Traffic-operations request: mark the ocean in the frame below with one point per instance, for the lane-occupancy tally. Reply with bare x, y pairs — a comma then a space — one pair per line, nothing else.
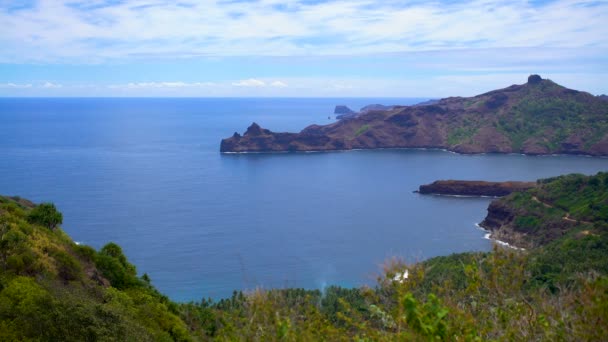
147, 174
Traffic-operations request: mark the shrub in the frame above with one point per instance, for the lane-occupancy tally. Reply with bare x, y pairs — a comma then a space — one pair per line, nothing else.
114, 266
67, 266
46, 215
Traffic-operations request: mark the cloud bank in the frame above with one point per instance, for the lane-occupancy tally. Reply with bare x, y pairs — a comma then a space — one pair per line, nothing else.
297, 47
94, 31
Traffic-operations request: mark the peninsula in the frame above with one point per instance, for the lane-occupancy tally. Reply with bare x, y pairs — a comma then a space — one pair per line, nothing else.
474, 188
538, 117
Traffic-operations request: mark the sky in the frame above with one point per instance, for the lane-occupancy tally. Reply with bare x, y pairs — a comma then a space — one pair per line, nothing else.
298, 48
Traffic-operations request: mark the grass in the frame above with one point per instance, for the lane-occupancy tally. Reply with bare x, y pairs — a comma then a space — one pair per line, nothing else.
361, 130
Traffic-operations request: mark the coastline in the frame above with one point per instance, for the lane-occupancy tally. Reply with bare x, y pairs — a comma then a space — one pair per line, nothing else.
488, 236
421, 149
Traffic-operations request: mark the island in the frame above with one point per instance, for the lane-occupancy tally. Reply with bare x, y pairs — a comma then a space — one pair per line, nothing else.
474, 188
343, 112
535, 118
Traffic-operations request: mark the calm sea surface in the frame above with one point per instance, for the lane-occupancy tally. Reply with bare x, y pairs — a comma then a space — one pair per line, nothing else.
147, 174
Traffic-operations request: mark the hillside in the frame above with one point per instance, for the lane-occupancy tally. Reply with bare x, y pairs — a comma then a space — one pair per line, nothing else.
538, 117
53, 289
563, 221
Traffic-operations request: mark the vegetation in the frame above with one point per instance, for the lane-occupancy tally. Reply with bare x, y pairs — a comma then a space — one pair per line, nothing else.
460, 134
46, 215
553, 119
361, 130
566, 219
53, 289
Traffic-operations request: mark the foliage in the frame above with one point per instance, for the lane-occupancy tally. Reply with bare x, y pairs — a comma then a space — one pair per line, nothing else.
46, 215
552, 113
52, 290
460, 134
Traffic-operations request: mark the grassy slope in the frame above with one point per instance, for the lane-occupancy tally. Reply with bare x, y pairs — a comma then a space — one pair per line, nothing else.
53, 289
546, 111
567, 217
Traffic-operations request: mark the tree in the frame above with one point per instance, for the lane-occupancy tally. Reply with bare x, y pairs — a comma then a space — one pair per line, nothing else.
45, 214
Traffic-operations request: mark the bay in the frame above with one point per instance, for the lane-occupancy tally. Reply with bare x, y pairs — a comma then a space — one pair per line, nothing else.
147, 174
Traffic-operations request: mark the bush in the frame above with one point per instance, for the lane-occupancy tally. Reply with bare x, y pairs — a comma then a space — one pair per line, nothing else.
114, 266
46, 215
67, 266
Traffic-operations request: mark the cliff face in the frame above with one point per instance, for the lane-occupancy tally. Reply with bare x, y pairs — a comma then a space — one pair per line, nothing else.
539, 117
554, 208
474, 188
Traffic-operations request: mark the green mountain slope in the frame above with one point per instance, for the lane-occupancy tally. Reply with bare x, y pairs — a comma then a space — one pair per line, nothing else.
52, 289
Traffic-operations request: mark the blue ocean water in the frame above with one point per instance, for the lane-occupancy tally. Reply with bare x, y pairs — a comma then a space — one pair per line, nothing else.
147, 174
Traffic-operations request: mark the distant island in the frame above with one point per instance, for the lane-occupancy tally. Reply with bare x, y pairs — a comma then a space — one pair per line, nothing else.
538, 117
474, 188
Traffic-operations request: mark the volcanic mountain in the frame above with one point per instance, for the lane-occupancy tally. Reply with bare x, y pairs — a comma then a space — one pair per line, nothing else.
538, 117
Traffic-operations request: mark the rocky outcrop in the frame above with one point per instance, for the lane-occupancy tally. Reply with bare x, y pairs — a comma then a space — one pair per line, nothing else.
534, 79
499, 222
343, 112
507, 222
539, 117
474, 188
499, 215
341, 109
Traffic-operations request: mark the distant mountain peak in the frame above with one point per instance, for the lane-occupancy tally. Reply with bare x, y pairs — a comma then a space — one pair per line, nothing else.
534, 79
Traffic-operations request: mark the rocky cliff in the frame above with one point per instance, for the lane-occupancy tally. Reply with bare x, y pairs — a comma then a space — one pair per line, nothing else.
572, 204
538, 117
474, 188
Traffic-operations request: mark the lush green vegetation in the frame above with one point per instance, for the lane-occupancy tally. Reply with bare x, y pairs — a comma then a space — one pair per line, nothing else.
460, 134
45, 215
552, 119
52, 289
566, 217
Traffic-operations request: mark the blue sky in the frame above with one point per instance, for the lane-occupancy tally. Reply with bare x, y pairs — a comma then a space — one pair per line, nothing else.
298, 47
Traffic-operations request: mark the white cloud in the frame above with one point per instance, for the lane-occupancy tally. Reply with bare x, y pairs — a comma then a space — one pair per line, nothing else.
15, 85
50, 85
59, 31
158, 85
252, 82
278, 84
427, 86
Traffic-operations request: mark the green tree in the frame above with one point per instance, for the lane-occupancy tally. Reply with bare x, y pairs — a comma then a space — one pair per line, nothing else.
45, 214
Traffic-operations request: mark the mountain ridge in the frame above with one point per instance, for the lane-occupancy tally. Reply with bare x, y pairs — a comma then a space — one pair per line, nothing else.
536, 118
